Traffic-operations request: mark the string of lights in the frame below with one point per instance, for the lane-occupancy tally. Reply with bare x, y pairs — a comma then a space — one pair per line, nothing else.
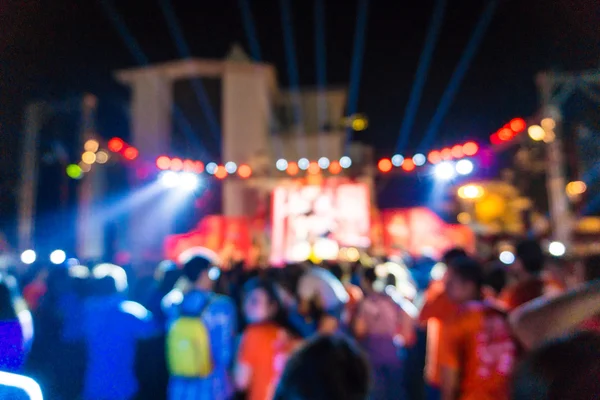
446, 156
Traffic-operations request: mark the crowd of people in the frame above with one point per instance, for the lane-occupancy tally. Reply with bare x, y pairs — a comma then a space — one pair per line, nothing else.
329, 331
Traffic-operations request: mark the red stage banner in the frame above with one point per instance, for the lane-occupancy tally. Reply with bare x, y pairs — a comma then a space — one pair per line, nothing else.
229, 237
420, 231
307, 218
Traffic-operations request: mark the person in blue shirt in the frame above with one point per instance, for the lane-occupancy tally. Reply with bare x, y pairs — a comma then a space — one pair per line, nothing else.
219, 316
111, 328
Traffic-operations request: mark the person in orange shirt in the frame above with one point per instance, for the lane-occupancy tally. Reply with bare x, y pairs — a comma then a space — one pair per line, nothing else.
477, 350
437, 309
266, 343
527, 283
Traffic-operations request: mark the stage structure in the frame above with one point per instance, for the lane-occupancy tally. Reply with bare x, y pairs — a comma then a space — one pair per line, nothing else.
259, 124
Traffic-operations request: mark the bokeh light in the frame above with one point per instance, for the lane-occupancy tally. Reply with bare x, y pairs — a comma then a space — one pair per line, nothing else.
506, 257
231, 167
576, 188
303, 164
470, 192
419, 159
464, 167
408, 165
324, 162
335, 167
444, 171
397, 160
281, 164
457, 151
470, 148
244, 171
345, 162
464, 218
163, 163
313, 168
434, 157
176, 164
88, 157
384, 165
58, 257
115, 145
536, 133
518, 125
28, 257
557, 249
102, 157
91, 145
131, 153
548, 124
74, 171
84, 167
446, 154
292, 169
221, 172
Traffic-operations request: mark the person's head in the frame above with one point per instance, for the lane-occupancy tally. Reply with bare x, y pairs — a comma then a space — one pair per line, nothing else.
196, 271
586, 270
7, 308
567, 369
495, 280
452, 254
529, 260
328, 367
368, 278
261, 301
110, 279
464, 280
337, 271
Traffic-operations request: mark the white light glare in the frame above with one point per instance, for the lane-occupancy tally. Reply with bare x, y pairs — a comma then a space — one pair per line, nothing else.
506, 257
419, 159
345, 162
444, 171
58, 257
28, 257
557, 249
211, 168
323, 162
281, 164
169, 179
303, 163
397, 160
231, 167
189, 181
464, 167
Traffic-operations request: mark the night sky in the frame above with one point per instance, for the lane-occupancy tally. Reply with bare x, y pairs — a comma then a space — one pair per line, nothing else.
49, 49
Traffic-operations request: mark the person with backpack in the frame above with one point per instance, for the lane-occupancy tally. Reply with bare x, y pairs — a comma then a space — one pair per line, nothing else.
266, 343
201, 336
382, 327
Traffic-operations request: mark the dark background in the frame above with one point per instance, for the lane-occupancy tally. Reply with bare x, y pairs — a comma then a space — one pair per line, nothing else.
54, 49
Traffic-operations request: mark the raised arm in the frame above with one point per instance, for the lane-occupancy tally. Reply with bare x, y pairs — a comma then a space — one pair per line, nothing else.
544, 319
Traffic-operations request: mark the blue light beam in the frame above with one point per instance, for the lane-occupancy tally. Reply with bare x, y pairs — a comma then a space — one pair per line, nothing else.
459, 74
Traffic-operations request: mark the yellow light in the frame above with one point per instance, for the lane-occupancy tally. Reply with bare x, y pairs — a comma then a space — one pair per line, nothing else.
549, 137
359, 124
91, 145
576, 187
464, 218
352, 254
101, 157
84, 167
548, 124
470, 192
536, 133
88, 157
